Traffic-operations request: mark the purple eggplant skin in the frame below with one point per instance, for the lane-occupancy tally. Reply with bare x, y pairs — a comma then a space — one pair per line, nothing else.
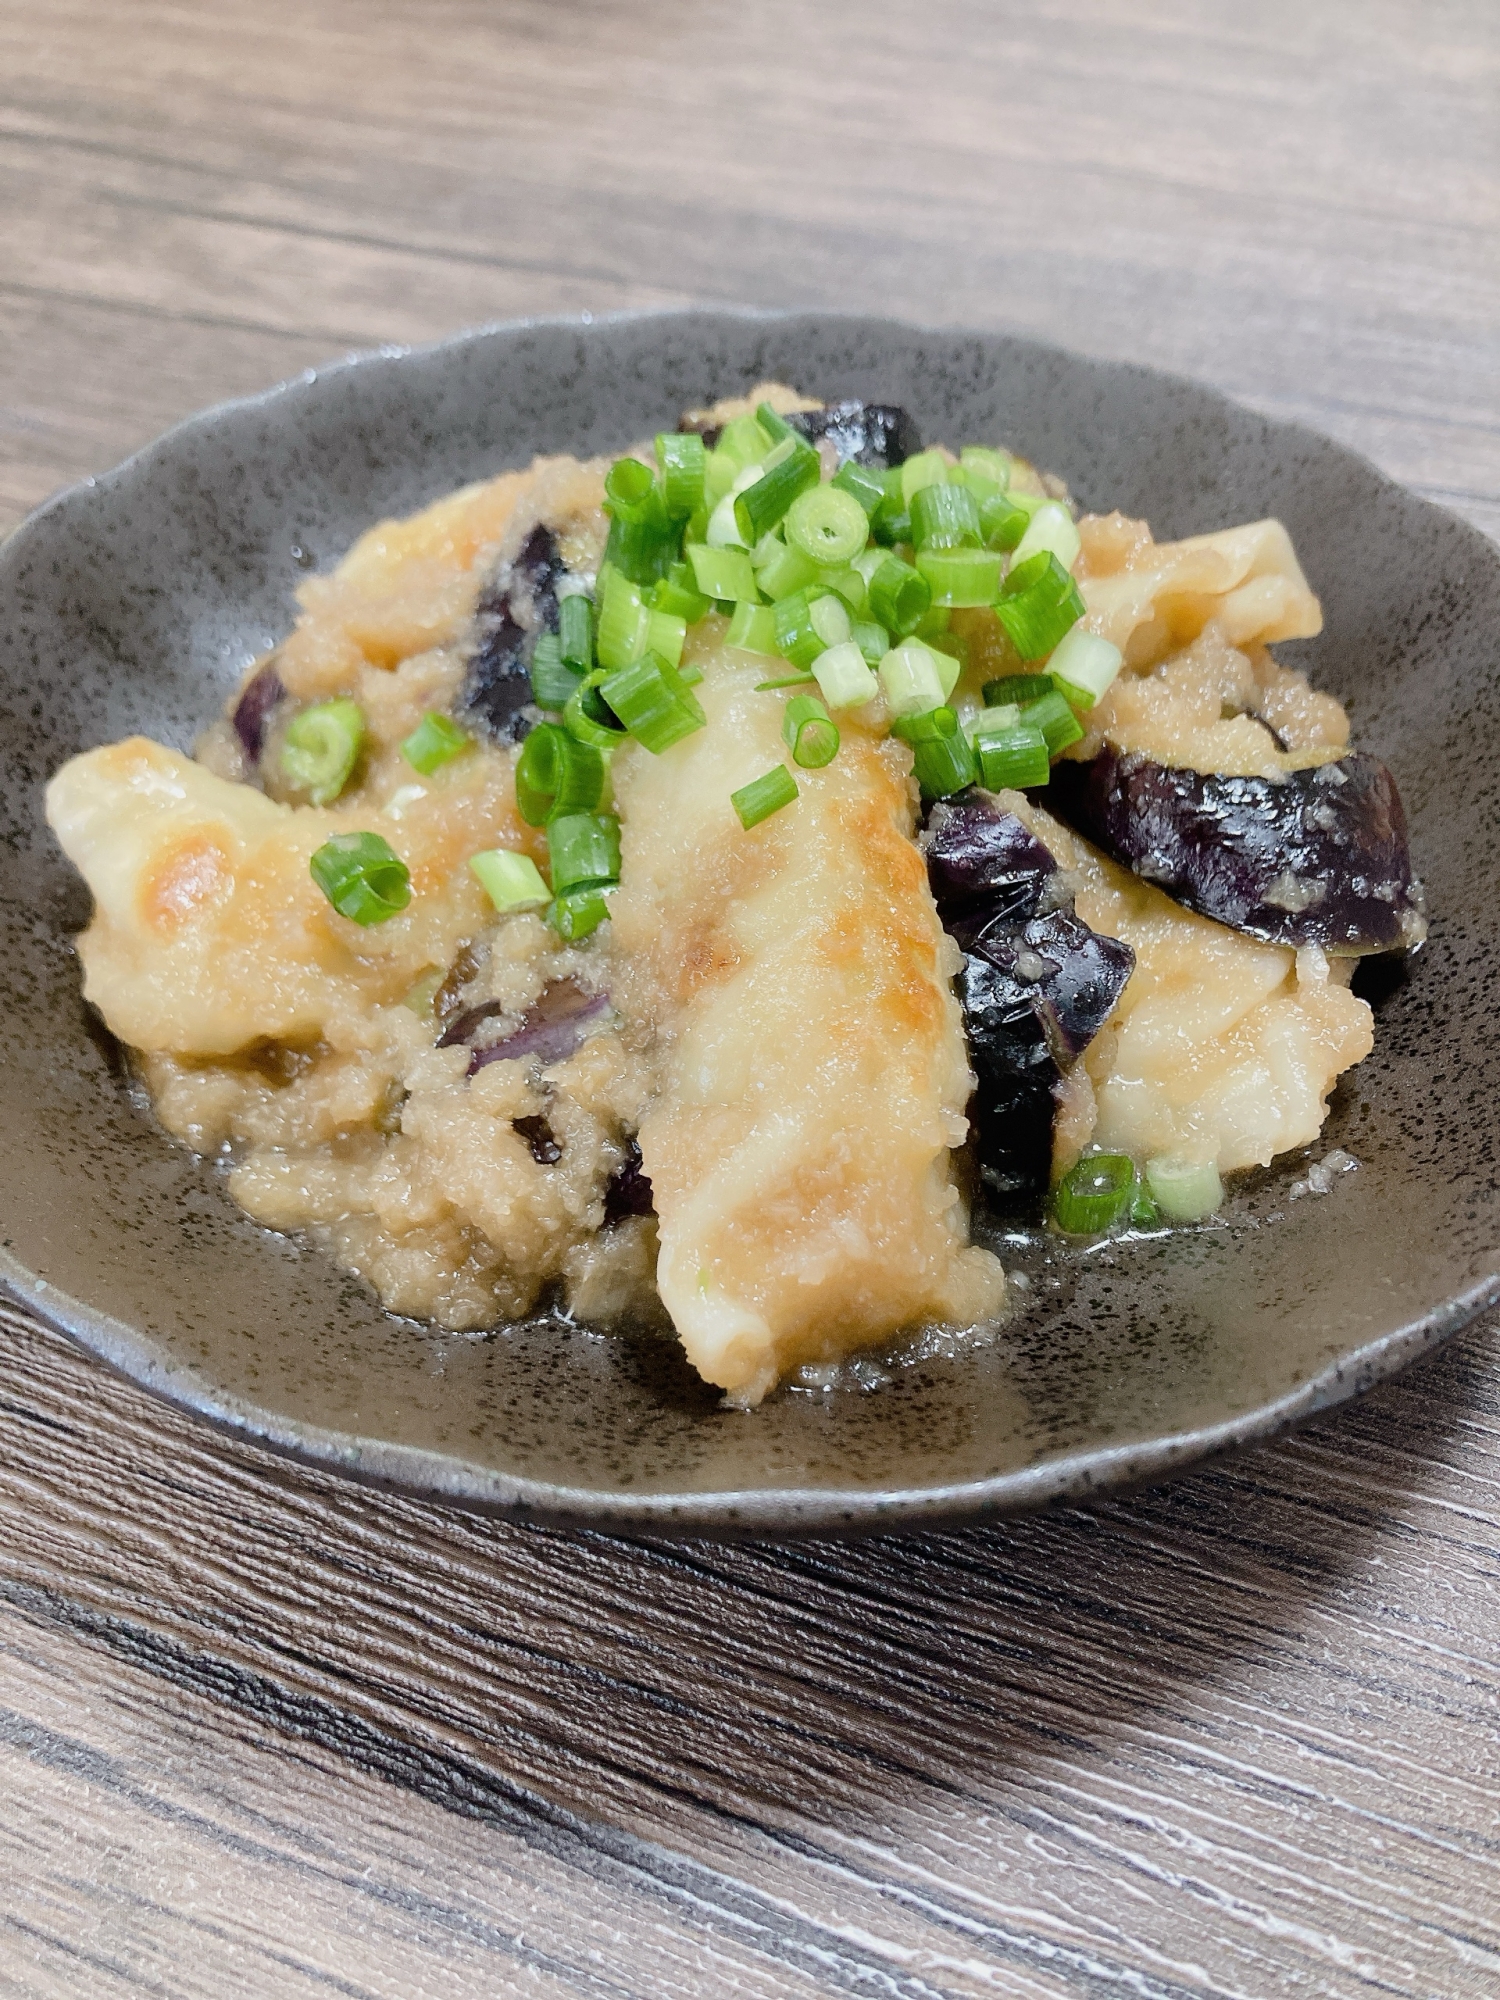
628, 1191
261, 695
1037, 983
550, 1031
519, 604
877, 435
1320, 858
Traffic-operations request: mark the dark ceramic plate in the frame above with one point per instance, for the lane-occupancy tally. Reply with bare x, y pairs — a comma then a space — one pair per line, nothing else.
135, 601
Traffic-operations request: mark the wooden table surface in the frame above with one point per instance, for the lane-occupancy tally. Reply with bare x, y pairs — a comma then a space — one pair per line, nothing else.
262, 1733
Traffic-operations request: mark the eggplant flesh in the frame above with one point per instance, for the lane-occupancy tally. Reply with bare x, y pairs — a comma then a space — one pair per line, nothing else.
517, 606
877, 435
1037, 983
1317, 858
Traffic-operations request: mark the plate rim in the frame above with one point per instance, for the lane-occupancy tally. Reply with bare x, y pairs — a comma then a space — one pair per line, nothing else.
430, 1473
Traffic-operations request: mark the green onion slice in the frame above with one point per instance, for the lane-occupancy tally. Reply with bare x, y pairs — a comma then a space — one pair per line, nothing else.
1002, 521
959, 576
1012, 759
783, 571
552, 679
723, 574
683, 461
666, 636
1185, 1190
628, 487
786, 681
321, 748
1084, 666
1017, 688
810, 732
844, 675
872, 640
942, 755
867, 487
910, 679
828, 525
1039, 603
584, 850
654, 702
1094, 1193
578, 914
899, 596
1051, 527
584, 715
557, 773
511, 881
764, 796
436, 741
1053, 716
624, 621
992, 466
575, 632
925, 468
762, 505
944, 517
362, 876
752, 628
678, 593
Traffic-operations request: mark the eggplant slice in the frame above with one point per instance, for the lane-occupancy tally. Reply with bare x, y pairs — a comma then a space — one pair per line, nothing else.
518, 605
1317, 858
877, 435
1036, 987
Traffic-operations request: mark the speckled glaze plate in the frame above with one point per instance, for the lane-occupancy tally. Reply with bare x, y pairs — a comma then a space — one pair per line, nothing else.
135, 601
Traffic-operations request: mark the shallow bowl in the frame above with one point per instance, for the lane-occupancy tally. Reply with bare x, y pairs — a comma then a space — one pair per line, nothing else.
135, 601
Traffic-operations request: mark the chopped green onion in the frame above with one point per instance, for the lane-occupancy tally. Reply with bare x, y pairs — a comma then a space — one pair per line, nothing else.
942, 755
1002, 522
420, 995
1051, 527
1039, 602
1012, 759
944, 517
1084, 667
583, 719
762, 505
775, 425
828, 525
665, 636
362, 876
628, 486
747, 441
579, 913
1013, 689
909, 678
899, 596
784, 571
556, 773
959, 576
683, 461
872, 640
802, 622
1055, 719
723, 530
723, 574
949, 664
933, 622
584, 850
867, 562
1094, 1193
678, 593
1185, 1190
810, 732
552, 679
764, 796
892, 522
867, 487
847, 584
436, 741
642, 535
844, 675
798, 680
654, 702
994, 466
752, 628
1004, 715
926, 468
1144, 1213
511, 881
575, 631
321, 748
624, 622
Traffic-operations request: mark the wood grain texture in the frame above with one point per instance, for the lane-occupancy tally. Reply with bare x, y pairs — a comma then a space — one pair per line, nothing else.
265, 1734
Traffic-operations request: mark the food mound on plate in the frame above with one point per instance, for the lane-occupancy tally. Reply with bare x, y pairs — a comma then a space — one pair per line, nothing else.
691, 885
